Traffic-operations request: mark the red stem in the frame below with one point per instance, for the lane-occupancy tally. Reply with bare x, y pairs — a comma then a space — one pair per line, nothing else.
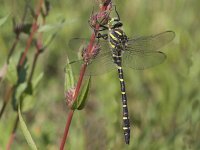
11, 139
34, 29
12, 136
70, 115
82, 72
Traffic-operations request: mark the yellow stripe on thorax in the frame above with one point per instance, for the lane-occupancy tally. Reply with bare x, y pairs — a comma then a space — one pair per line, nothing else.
112, 46
119, 33
113, 37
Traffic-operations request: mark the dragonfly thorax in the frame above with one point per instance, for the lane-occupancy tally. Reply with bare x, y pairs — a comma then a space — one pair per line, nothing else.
118, 40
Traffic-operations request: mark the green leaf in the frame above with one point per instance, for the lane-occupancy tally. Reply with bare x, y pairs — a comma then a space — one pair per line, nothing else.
3, 20
27, 98
49, 39
25, 131
3, 71
46, 28
69, 78
11, 75
28, 102
37, 80
24, 94
20, 90
82, 97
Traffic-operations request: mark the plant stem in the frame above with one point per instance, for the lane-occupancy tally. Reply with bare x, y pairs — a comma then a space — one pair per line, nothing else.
8, 93
69, 118
12, 136
82, 72
34, 29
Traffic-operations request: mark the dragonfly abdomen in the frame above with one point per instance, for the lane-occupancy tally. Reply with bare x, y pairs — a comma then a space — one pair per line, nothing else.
126, 123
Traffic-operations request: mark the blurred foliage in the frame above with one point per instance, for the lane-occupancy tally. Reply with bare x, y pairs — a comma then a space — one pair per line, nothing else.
164, 101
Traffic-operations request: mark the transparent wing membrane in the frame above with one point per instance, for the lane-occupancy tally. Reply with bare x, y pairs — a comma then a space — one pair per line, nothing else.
151, 43
78, 44
140, 60
101, 64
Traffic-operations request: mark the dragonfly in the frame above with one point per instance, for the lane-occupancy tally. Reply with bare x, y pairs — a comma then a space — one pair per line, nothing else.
116, 50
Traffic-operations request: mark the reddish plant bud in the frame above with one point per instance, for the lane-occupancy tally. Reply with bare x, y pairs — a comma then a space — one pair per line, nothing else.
69, 97
87, 56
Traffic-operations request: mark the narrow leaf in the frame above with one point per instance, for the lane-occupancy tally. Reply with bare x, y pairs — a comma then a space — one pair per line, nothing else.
46, 28
28, 102
11, 75
82, 97
37, 80
3, 20
25, 131
69, 78
27, 97
3, 71
20, 90
49, 39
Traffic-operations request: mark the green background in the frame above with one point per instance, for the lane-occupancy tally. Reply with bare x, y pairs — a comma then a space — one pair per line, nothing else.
163, 102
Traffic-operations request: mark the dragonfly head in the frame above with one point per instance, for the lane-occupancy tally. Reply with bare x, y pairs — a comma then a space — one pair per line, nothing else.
114, 23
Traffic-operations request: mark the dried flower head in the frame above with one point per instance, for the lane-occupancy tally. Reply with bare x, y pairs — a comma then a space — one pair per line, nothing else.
69, 97
88, 56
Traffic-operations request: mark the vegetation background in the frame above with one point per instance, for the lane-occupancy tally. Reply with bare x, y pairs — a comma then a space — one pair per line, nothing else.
164, 101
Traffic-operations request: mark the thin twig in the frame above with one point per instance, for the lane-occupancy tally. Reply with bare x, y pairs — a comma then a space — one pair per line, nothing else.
17, 36
79, 83
34, 29
69, 118
8, 93
12, 136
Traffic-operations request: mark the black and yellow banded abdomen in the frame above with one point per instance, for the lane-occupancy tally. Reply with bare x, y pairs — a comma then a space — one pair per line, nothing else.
126, 123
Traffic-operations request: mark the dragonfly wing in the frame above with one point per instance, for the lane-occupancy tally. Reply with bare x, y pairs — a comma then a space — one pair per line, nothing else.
140, 60
151, 43
75, 43
101, 64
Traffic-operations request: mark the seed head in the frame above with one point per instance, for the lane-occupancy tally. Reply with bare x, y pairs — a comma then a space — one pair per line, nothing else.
88, 56
69, 97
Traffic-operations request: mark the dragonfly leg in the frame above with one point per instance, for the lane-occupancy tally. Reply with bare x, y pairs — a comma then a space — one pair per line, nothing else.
103, 36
